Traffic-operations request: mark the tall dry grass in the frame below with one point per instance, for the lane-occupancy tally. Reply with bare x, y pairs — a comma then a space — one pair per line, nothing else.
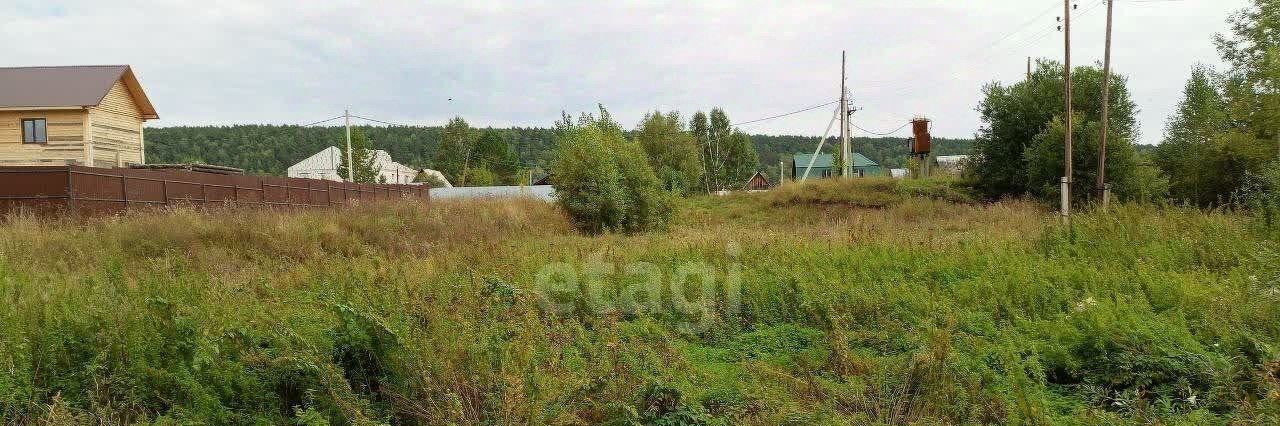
921, 309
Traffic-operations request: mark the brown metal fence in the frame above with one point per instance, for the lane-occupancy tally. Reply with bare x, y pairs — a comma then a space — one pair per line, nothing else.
89, 190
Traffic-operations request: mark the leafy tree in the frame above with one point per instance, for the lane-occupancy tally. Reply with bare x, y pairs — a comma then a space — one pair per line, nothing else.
481, 176
1045, 161
453, 155
1015, 117
1227, 127
1190, 139
493, 153
1253, 51
701, 130
729, 155
361, 158
671, 151
604, 181
740, 160
1262, 192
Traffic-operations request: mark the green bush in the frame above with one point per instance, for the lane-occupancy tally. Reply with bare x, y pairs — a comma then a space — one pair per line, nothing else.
605, 182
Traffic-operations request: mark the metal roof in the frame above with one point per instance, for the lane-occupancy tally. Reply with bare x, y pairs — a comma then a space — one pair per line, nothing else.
828, 161
823, 160
860, 160
68, 87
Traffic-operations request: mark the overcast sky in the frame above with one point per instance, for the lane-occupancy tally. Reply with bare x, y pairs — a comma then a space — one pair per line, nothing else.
522, 62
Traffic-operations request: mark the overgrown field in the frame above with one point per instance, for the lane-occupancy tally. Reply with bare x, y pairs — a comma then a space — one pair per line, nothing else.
873, 302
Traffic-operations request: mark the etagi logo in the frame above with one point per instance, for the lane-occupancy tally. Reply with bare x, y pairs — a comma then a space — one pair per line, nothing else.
693, 293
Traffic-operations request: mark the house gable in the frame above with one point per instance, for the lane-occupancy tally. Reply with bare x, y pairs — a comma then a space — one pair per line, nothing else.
92, 115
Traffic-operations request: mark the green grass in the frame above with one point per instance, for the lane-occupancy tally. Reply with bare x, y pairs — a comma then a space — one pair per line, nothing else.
873, 302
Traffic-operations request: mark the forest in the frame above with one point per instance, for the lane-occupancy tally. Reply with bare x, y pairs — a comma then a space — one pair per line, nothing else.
270, 149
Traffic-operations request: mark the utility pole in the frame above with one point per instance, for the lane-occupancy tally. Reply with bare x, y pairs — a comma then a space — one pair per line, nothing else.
782, 173
821, 142
1106, 104
466, 165
351, 170
1028, 68
844, 121
1066, 178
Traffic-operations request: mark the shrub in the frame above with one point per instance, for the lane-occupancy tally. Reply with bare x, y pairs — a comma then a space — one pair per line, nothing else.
603, 181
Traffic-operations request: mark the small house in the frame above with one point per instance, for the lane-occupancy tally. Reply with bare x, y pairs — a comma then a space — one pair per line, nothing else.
822, 167
85, 115
758, 182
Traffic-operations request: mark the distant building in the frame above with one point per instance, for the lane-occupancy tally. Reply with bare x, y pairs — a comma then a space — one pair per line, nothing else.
951, 164
758, 182
324, 165
87, 115
899, 173
824, 166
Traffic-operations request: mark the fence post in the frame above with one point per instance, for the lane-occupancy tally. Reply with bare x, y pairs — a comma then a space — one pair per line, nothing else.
204, 195
124, 190
164, 191
262, 191
71, 195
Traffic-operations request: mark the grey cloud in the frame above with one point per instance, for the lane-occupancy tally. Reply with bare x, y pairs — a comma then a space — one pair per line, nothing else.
521, 63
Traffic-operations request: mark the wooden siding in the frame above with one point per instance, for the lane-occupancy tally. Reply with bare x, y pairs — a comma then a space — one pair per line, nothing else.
116, 127
66, 138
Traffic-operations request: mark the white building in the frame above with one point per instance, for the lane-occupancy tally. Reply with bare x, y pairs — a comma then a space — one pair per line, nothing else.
952, 164
899, 173
324, 165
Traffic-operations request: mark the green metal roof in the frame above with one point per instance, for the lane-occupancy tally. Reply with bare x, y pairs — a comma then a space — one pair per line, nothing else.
824, 160
828, 161
860, 160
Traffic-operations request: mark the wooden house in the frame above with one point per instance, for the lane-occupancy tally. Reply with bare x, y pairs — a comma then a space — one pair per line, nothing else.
85, 115
758, 182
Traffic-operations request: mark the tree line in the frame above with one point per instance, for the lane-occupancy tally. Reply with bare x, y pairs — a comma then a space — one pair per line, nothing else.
270, 149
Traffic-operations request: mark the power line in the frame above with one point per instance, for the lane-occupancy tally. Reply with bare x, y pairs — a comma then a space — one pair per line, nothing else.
953, 74
990, 47
882, 133
380, 121
782, 115
322, 121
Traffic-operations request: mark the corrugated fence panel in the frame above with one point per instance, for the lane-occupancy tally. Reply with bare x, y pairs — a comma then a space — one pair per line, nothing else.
89, 190
38, 190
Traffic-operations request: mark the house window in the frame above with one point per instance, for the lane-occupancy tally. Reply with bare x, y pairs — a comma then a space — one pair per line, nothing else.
34, 130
